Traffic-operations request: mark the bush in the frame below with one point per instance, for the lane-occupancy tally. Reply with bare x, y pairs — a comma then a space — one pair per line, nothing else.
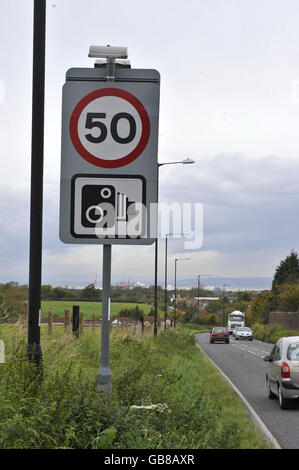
270, 334
135, 313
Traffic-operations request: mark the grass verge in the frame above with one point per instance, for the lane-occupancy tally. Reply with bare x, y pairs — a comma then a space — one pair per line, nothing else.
196, 407
270, 334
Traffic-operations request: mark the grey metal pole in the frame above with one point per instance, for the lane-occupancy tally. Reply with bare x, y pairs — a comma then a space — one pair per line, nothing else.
198, 287
156, 265
175, 292
165, 286
156, 288
175, 261
223, 305
104, 378
188, 161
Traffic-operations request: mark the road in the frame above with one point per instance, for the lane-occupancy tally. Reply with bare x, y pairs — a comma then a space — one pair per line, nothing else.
242, 362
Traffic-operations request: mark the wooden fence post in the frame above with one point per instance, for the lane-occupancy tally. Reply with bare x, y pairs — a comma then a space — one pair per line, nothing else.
93, 323
67, 322
81, 324
50, 321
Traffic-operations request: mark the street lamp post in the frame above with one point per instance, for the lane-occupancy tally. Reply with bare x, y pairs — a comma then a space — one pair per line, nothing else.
165, 282
165, 285
175, 291
198, 287
186, 161
223, 290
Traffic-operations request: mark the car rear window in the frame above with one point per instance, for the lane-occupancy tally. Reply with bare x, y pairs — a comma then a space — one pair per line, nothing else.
293, 352
220, 330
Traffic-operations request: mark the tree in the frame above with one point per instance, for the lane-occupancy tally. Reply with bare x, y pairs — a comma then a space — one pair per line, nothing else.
58, 293
135, 313
190, 315
288, 271
90, 292
261, 306
13, 303
243, 296
46, 291
289, 299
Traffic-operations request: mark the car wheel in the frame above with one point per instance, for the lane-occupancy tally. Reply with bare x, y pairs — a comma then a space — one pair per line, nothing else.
211, 342
270, 394
284, 403
227, 341
250, 339
236, 338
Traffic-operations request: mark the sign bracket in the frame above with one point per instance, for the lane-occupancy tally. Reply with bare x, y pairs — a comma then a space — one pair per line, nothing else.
110, 54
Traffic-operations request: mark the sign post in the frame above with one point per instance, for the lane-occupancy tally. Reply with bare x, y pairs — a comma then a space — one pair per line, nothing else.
104, 375
109, 166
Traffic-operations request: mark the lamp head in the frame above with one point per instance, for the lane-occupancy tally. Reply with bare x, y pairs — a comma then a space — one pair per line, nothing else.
188, 161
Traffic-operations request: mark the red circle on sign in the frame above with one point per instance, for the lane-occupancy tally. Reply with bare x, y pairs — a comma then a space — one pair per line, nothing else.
118, 162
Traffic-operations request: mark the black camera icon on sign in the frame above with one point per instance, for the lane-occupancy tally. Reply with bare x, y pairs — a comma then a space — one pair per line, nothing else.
103, 206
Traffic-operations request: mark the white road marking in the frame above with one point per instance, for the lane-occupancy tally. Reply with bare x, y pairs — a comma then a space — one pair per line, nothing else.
260, 350
251, 347
248, 350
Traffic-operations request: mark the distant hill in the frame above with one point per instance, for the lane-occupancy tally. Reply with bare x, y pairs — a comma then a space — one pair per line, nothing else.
231, 283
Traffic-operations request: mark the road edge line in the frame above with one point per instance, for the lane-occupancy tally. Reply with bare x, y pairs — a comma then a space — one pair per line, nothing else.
255, 417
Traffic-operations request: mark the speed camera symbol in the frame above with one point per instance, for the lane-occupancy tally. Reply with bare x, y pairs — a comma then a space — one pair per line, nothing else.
95, 200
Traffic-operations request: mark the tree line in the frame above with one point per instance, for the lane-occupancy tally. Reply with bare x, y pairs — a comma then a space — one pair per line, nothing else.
283, 296
13, 295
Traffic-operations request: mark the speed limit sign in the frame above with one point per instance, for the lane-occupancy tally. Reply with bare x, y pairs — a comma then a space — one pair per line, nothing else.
116, 135
109, 154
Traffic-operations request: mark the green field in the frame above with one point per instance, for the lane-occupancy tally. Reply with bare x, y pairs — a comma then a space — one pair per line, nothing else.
90, 308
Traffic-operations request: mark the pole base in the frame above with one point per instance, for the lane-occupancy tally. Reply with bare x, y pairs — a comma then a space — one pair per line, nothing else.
104, 381
35, 355
106, 389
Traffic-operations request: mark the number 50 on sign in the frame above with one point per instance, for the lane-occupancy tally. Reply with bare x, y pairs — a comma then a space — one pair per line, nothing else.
114, 137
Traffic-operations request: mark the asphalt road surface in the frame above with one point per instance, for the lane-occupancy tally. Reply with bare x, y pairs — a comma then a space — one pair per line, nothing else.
242, 362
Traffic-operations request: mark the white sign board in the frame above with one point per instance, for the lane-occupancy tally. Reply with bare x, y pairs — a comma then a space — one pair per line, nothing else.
109, 156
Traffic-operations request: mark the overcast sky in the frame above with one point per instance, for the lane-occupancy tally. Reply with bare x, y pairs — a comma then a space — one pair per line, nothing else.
229, 100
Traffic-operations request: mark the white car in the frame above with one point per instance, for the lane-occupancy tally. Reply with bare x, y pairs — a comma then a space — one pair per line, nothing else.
234, 330
244, 332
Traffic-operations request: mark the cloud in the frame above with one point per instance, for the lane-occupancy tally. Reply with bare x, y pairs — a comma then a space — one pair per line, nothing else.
250, 207
221, 108
250, 223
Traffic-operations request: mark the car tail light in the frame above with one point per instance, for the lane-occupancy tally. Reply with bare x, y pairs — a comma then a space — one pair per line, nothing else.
285, 370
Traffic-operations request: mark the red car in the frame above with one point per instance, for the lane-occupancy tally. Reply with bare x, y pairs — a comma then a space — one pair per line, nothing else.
219, 334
